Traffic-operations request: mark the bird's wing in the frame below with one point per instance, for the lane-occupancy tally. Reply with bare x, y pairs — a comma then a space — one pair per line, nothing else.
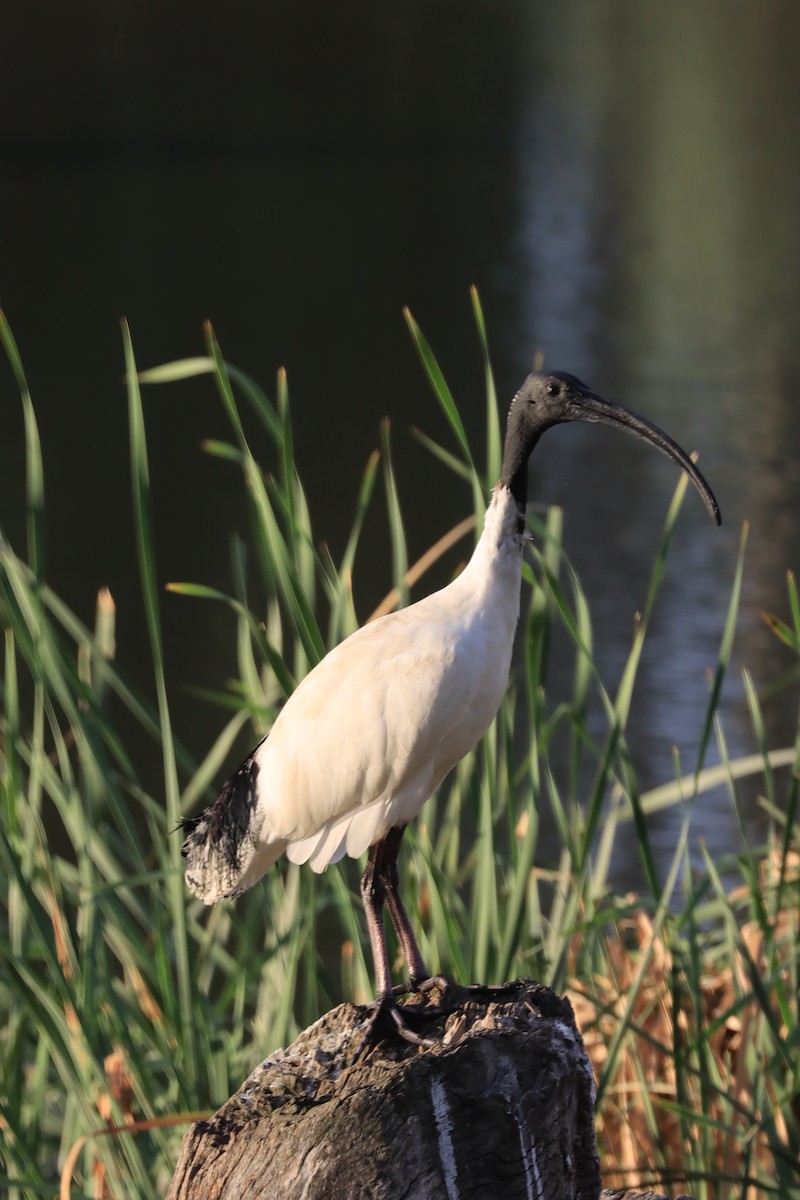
365, 724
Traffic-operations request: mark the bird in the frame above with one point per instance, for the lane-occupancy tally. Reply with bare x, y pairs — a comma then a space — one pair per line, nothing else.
376, 726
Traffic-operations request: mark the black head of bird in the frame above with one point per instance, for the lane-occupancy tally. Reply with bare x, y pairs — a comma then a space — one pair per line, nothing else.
377, 725
552, 398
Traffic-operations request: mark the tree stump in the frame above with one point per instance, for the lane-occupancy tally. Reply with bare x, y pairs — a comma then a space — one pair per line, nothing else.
632, 1194
502, 1105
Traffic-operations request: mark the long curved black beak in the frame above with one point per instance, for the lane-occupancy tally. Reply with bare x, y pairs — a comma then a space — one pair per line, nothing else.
591, 407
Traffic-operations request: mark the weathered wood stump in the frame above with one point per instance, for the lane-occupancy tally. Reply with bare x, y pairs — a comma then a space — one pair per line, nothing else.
632, 1194
501, 1105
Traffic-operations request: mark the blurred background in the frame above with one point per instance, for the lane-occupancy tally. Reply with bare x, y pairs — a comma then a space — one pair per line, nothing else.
621, 182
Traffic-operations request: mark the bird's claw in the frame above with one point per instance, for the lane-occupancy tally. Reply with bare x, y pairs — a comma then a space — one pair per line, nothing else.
420, 987
390, 1019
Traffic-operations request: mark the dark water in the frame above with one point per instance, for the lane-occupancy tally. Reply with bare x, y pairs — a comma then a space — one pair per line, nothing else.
622, 183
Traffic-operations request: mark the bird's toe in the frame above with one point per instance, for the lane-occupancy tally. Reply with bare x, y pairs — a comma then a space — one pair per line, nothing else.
421, 985
389, 1020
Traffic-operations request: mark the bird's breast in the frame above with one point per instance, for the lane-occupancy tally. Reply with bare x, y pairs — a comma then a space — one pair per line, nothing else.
386, 714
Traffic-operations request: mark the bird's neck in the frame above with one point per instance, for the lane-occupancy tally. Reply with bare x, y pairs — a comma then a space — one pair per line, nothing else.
499, 548
519, 443
488, 589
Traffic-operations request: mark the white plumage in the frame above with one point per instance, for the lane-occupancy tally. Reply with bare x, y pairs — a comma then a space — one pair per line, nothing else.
378, 724
373, 730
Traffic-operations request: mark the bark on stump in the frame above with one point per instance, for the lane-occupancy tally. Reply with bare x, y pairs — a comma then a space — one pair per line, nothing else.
633, 1194
501, 1106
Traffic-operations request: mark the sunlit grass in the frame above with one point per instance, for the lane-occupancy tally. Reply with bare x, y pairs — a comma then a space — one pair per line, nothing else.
124, 1000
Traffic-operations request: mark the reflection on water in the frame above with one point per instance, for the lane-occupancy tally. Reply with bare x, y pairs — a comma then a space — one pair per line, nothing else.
622, 183
653, 247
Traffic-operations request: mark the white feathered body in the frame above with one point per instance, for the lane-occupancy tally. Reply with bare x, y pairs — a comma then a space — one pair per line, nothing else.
373, 730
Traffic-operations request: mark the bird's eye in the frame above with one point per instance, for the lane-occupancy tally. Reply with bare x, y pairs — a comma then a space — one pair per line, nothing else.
552, 389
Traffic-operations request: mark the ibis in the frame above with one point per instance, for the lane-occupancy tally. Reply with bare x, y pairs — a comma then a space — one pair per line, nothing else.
375, 727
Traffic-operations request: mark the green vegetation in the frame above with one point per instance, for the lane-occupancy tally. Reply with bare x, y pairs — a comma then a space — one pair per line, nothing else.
122, 999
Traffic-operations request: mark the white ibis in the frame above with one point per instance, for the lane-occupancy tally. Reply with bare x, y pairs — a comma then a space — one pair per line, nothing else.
373, 730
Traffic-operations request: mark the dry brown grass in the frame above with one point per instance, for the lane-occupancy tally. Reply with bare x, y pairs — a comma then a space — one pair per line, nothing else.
699, 1087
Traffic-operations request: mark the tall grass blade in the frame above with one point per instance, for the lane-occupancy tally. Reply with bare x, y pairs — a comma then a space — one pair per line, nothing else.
494, 442
447, 404
33, 455
142, 507
726, 647
396, 529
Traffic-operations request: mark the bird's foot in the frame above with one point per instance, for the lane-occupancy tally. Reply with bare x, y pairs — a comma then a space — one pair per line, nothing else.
389, 1019
420, 986
392, 1020
453, 995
